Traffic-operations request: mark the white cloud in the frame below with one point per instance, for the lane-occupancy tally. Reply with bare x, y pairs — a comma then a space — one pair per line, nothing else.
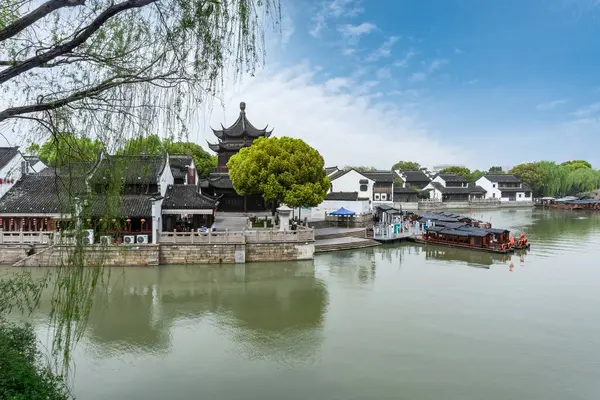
472, 82
436, 64
403, 62
350, 30
385, 50
418, 77
345, 126
333, 9
551, 105
458, 51
384, 73
587, 111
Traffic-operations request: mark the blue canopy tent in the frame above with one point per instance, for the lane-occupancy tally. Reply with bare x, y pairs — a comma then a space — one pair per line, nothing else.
342, 212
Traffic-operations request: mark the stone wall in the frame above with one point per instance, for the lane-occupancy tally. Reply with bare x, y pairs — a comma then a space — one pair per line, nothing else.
256, 252
202, 253
92, 256
11, 254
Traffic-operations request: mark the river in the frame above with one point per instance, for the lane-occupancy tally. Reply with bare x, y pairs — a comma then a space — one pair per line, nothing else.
398, 322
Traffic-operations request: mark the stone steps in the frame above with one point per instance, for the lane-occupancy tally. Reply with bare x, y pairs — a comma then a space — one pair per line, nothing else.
346, 246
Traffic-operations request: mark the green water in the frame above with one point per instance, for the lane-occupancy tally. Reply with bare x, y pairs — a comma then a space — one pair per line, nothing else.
400, 322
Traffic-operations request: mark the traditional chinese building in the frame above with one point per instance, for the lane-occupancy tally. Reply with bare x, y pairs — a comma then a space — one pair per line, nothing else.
229, 142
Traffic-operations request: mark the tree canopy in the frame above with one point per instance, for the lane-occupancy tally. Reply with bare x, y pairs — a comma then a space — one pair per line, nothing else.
456, 170
280, 169
66, 148
533, 175
406, 166
496, 170
360, 168
547, 178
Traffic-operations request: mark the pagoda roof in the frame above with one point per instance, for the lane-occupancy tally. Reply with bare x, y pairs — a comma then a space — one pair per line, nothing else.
242, 128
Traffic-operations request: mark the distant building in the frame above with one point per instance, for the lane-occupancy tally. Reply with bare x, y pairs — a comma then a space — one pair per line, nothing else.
450, 187
413, 179
230, 141
505, 187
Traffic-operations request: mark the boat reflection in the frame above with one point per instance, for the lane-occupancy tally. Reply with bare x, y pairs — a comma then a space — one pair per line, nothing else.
471, 258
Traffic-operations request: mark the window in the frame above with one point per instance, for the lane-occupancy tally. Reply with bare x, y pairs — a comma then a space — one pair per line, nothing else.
494, 195
377, 197
383, 196
363, 188
494, 185
520, 195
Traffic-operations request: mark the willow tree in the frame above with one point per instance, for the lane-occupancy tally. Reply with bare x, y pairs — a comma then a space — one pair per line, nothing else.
116, 69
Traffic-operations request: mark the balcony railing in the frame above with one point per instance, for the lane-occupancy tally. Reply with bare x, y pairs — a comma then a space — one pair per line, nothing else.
25, 237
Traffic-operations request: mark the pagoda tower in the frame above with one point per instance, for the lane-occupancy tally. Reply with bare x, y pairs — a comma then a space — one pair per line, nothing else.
231, 140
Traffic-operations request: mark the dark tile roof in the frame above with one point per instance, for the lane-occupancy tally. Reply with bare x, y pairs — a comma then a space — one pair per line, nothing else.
218, 181
7, 154
415, 176
75, 170
458, 190
337, 174
501, 178
242, 127
141, 169
344, 196
380, 176
32, 159
329, 170
402, 190
452, 178
186, 197
42, 194
524, 188
179, 164
131, 205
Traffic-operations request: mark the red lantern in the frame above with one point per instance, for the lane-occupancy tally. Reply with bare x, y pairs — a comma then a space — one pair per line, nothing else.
0, 181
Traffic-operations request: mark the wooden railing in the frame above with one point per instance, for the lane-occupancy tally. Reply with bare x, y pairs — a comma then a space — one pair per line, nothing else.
26, 237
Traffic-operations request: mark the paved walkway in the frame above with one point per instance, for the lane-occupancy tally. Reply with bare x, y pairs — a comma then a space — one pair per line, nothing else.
342, 240
335, 231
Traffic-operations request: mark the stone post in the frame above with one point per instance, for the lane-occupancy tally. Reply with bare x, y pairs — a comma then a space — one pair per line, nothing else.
284, 213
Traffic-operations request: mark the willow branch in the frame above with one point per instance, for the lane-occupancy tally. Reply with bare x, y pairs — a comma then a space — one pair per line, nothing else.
34, 16
79, 39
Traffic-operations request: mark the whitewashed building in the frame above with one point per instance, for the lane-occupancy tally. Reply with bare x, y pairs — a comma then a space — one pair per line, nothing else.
505, 187
450, 187
352, 181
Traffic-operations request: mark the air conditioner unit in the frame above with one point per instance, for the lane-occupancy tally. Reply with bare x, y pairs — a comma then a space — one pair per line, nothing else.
88, 237
142, 239
105, 240
383, 196
129, 240
376, 196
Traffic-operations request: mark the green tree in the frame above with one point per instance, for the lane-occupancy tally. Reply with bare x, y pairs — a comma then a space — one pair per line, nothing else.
576, 164
204, 161
280, 169
151, 144
475, 175
456, 170
533, 175
360, 168
66, 148
406, 166
496, 170
23, 373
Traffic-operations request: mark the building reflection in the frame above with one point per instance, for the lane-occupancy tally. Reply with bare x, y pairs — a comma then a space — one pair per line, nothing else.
352, 267
269, 309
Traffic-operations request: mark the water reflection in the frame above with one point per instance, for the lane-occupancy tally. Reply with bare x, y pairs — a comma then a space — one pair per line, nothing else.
267, 310
352, 267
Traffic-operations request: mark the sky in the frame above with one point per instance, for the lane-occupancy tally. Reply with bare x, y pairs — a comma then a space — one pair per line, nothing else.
469, 82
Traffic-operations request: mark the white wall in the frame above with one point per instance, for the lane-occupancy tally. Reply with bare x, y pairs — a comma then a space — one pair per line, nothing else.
12, 170
439, 179
37, 167
349, 182
491, 187
434, 194
166, 178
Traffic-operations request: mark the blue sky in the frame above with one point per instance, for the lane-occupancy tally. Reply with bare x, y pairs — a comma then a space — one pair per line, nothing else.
462, 81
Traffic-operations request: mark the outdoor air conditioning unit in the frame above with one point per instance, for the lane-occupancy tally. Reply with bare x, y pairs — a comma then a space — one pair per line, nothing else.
383, 196
142, 239
129, 240
376, 196
88, 237
105, 240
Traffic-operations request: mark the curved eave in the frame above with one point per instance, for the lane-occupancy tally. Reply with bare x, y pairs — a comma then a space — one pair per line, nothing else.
214, 146
242, 127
